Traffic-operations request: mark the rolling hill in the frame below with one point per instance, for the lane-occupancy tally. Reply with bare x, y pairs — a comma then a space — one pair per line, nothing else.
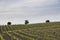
38, 31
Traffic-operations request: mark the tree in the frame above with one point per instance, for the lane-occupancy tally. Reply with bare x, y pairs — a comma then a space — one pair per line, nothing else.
26, 21
47, 21
9, 23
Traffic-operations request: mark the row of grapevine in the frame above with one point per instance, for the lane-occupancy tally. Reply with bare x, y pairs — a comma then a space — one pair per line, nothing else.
4, 30
1, 37
24, 36
27, 34
8, 36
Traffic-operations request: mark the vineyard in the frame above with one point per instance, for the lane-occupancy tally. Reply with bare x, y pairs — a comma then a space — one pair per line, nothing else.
39, 31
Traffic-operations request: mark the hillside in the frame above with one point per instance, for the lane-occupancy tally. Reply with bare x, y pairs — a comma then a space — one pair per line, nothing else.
39, 31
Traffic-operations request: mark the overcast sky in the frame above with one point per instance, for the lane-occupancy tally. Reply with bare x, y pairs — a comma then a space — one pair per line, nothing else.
35, 11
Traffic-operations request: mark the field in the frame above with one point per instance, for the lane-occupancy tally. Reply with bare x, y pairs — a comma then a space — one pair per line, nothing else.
38, 31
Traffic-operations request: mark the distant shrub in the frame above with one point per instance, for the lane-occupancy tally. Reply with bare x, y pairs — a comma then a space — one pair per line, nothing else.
26, 21
9, 23
47, 21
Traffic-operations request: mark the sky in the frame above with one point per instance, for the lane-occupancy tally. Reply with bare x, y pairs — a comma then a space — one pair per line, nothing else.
36, 11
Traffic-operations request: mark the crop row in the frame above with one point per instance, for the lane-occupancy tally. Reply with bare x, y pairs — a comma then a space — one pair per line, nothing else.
15, 36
